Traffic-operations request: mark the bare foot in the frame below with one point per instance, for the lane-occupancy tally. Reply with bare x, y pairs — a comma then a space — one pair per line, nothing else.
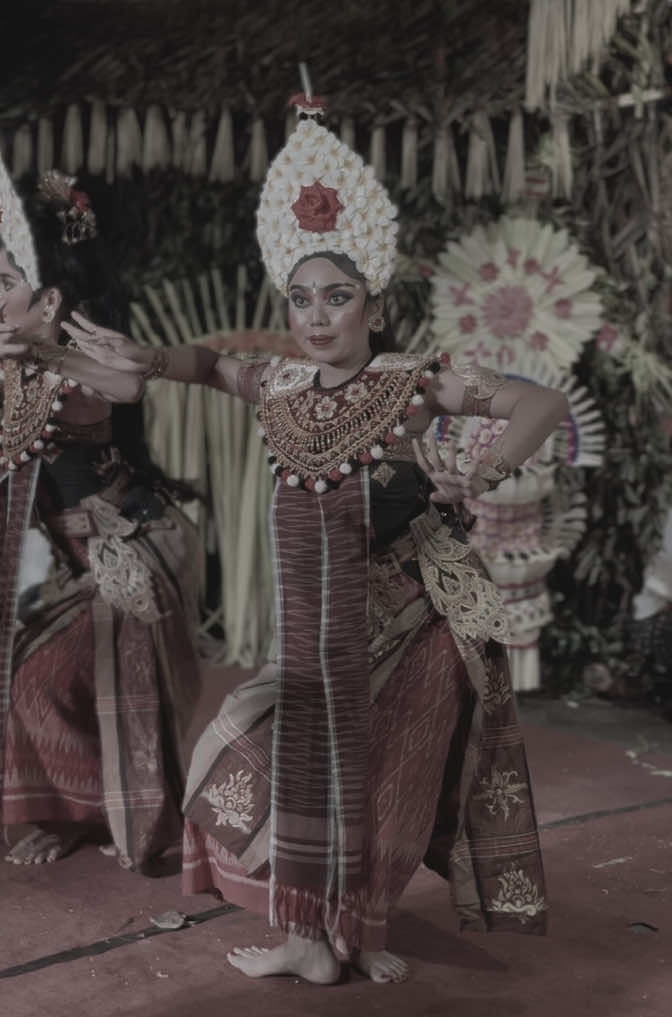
381, 966
42, 846
310, 959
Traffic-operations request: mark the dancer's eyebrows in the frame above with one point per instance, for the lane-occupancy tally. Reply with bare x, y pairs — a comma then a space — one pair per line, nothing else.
325, 289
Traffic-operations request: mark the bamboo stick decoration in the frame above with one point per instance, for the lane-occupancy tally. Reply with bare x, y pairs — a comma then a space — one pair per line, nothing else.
45, 144
222, 166
72, 151
98, 130
155, 140
22, 161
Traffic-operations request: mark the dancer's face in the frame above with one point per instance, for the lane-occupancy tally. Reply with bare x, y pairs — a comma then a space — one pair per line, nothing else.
329, 314
15, 299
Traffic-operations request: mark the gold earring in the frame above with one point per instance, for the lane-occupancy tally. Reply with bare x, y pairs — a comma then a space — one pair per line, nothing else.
48, 315
376, 323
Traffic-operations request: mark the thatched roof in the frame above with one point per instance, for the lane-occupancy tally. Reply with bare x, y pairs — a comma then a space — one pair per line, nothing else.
379, 58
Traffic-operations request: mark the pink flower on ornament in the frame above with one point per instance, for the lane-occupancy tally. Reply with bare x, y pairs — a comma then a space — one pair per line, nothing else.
512, 257
606, 337
468, 324
488, 271
538, 340
531, 266
563, 308
461, 295
508, 311
317, 208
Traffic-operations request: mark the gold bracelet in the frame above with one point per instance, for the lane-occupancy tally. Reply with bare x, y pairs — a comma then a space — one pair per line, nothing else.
158, 364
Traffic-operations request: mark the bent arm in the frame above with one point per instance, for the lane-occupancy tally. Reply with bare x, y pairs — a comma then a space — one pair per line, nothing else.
533, 411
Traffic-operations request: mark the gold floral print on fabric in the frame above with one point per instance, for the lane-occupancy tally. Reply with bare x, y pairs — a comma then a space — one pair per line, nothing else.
501, 792
312, 431
457, 588
518, 895
123, 579
232, 801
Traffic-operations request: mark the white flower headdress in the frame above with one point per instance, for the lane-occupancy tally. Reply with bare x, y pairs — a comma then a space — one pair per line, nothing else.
15, 231
320, 196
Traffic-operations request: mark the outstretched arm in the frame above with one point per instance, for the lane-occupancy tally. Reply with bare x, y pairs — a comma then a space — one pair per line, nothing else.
192, 364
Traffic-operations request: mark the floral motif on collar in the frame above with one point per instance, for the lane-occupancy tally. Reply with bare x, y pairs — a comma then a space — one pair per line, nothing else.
317, 437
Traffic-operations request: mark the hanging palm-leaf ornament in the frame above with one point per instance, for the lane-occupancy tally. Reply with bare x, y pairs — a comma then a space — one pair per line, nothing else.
517, 296
514, 286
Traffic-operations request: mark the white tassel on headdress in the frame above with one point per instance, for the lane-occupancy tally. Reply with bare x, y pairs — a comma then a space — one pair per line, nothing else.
514, 170
563, 36
98, 128
562, 158
222, 167
72, 152
22, 161
155, 140
445, 167
377, 152
129, 142
179, 134
198, 150
45, 145
482, 169
409, 153
258, 150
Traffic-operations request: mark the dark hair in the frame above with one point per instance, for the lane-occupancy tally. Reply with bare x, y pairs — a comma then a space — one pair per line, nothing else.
380, 342
89, 282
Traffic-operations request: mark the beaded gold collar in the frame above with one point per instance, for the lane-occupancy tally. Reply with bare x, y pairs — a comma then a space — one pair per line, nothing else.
316, 437
31, 399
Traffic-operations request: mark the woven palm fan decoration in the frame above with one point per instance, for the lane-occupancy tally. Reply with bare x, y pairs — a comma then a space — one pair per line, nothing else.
517, 297
211, 440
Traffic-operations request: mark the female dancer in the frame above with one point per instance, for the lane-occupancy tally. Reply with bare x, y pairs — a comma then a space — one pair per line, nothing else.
384, 732
104, 673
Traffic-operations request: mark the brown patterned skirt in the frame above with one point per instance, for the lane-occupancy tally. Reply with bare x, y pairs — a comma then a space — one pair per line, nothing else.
448, 783
104, 684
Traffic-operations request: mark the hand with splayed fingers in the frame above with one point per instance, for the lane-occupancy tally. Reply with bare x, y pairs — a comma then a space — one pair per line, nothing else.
113, 349
450, 485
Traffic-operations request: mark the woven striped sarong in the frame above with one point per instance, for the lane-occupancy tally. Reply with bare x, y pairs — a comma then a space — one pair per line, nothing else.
320, 783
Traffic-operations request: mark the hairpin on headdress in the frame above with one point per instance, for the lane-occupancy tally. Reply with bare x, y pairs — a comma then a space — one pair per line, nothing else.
73, 207
320, 196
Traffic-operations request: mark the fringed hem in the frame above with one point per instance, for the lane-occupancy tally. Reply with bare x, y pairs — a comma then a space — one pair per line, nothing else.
307, 914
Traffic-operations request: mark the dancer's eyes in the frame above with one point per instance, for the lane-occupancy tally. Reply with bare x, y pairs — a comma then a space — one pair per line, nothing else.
338, 298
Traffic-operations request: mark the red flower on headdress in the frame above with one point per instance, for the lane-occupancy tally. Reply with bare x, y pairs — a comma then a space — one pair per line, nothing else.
315, 102
80, 200
317, 208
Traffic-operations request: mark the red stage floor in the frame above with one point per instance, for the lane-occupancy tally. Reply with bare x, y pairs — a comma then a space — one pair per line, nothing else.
603, 781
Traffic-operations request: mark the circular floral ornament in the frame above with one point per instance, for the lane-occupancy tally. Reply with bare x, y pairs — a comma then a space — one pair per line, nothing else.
515, 286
